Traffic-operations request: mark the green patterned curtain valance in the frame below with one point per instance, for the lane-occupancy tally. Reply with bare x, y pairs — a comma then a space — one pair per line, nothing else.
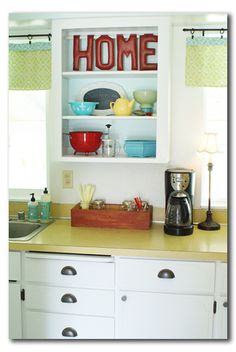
30, 66
206, 62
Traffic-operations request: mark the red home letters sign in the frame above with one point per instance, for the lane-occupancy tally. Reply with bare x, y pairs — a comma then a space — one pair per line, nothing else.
124, 47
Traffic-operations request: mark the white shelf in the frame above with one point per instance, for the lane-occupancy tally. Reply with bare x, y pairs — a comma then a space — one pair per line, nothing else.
100, 159
109, 117
76, 74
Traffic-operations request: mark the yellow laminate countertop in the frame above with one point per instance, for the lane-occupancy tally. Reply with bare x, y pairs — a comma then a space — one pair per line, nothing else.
60, 237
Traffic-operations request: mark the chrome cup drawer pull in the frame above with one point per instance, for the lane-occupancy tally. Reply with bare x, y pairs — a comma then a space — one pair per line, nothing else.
166, 274
68, 270
69, 332
68, 298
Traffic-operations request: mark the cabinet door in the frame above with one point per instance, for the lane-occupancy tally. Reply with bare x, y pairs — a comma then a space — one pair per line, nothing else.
15, 331
221, 319
220, 316
145, 315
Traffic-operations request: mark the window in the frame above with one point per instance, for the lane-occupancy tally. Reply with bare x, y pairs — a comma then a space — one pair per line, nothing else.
216, 121
27, 140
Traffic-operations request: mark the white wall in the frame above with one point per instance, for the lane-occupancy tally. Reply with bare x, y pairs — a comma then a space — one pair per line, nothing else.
116, 182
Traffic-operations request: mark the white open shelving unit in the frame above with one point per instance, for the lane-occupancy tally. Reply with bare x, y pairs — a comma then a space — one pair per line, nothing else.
68, 83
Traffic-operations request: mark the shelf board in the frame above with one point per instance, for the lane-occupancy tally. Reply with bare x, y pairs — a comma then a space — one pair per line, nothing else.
109, 117
100, 159
76, 74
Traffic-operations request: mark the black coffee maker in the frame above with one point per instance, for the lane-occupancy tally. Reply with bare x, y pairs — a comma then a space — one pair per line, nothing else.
179, 191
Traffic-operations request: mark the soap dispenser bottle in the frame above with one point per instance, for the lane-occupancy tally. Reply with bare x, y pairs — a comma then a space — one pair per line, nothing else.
33, 209
45, 206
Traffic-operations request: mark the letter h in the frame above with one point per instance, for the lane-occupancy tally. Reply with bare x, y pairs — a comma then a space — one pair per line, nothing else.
78, 54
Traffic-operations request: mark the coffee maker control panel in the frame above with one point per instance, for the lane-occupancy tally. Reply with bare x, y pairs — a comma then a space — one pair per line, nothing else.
180, 181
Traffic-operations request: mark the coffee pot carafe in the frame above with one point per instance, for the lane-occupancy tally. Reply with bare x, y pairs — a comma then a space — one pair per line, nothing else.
178, 212
179, 187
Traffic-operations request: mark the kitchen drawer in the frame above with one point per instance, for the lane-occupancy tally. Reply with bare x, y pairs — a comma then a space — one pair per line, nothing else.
70, 300
221, 278
52, 326
70, 271
166, 276
14, 266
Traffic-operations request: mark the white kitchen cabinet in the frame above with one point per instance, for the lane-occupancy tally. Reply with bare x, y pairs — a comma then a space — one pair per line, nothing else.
221, 302
68, 296
161, 299
68, 84
103, 297
15, 315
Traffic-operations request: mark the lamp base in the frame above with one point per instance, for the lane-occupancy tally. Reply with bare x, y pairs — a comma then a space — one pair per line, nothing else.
209, 224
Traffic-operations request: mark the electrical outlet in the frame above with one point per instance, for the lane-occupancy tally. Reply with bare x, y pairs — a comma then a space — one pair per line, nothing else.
67, 179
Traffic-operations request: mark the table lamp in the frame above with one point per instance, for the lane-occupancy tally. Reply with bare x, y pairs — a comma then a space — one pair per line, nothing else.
210, 147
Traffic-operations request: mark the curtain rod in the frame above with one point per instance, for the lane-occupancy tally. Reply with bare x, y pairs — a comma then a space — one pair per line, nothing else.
30, 36
221, 30
203, 30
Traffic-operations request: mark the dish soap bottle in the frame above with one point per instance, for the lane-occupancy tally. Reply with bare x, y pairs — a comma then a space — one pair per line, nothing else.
45, 206
33, 209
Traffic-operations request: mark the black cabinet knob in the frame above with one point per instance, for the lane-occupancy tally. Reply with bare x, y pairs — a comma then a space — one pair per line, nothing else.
225, 304
68, 270
68, 298
166, 274
69, 332
124, 298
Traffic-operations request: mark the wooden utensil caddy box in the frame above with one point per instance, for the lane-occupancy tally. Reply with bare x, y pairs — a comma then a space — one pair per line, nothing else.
112, 216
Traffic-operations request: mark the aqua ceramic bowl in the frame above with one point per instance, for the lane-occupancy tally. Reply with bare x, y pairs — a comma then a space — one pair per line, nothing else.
82, 108
145, 97
140, 148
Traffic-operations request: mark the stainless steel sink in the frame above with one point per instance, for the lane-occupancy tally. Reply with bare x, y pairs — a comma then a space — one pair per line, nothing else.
24, 231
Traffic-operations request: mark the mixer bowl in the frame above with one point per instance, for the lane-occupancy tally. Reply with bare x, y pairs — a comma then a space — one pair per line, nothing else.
145, 97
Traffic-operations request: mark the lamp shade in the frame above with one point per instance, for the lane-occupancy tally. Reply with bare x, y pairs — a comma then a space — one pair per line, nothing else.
209, 144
